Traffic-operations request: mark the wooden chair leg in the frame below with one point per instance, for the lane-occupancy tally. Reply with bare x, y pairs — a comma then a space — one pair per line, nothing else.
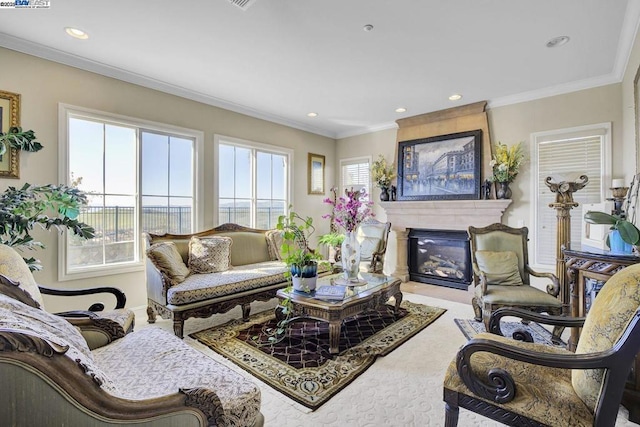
451, 414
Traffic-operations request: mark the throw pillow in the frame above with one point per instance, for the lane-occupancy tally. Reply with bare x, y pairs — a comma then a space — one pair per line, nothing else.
500, 268
167, 259
274, 243
210, 254
13, 266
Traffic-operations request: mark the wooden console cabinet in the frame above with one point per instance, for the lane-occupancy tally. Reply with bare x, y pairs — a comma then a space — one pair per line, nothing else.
587, 270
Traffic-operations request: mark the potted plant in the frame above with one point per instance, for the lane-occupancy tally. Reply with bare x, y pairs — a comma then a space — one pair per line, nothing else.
301, 260
333, 241
624, 234
382, 175
506, 164
57, 206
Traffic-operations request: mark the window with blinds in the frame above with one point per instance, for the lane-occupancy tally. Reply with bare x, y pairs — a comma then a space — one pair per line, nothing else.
355, 173
565, 156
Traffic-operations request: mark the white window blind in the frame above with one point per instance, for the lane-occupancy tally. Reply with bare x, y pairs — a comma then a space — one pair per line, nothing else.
566, 159
355, 173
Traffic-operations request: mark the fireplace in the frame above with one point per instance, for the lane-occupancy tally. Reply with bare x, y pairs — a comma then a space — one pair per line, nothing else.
440, 257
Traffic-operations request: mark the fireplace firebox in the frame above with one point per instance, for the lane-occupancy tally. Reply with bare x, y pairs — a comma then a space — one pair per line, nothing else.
440, 257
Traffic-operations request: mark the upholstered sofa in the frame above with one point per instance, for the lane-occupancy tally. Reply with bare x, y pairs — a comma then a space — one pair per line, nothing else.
252, 272
50, 376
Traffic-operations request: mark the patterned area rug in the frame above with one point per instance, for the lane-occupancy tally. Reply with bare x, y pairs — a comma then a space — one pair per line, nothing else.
300, 365
470, 327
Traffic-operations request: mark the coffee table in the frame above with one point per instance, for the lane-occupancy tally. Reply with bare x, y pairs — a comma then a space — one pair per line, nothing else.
376, 292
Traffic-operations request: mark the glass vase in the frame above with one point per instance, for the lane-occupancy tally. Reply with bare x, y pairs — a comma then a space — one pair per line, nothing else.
350, 257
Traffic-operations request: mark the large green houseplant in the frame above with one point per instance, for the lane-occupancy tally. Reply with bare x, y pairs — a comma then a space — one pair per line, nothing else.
48, 206
629, 233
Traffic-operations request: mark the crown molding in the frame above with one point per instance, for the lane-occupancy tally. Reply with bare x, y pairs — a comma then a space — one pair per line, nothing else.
366, 129
75, 61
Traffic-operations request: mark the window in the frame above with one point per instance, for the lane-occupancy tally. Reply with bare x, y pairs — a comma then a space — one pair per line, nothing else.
355, 173
252, 182
138, 176
565, 155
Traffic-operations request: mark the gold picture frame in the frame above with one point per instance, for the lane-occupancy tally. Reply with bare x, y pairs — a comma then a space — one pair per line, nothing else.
315, 169
9, 117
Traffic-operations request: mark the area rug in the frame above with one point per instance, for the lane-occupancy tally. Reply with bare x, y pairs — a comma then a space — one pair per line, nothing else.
470, 327
300, 365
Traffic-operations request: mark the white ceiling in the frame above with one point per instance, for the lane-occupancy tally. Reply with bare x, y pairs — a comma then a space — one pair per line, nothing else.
281, 59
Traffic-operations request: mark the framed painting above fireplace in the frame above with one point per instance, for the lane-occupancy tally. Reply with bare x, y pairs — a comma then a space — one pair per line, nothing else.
445, 167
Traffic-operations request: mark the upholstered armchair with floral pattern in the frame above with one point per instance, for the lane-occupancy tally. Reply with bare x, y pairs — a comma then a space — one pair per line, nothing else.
522, 383
373, 236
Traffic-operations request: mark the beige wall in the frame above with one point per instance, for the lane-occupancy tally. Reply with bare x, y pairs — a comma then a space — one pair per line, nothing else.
43, 84
513, 123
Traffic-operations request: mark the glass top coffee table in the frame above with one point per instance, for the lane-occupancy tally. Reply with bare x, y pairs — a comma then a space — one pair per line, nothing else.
375, 292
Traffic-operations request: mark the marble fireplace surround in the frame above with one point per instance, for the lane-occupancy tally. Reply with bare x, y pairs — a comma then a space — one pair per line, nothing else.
437, 215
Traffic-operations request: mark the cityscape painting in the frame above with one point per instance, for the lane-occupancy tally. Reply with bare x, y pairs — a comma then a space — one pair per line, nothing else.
444, 167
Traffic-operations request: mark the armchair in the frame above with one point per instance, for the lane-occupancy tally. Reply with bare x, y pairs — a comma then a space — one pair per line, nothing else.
373, 236
521, 383
500, 261
98, 330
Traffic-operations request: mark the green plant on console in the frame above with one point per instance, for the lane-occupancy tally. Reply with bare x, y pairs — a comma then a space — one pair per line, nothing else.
57, 206
628, 231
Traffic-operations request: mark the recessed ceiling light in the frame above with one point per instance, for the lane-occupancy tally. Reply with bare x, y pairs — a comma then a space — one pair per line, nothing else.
368, 27
312, 114
76, 33
455, 97
557, 41
401, 110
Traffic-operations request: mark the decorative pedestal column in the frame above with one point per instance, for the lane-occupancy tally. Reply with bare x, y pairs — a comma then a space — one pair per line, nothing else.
563, 204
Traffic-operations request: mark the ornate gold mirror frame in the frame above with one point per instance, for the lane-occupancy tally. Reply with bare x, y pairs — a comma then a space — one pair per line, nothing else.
9, 116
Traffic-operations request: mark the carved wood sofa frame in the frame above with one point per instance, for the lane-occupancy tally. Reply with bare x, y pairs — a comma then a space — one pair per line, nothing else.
158, 286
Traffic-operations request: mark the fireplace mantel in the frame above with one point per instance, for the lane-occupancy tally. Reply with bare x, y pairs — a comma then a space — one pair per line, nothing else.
438, 215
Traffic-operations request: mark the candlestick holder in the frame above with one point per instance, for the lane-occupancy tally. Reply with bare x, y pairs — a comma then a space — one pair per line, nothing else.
619, 194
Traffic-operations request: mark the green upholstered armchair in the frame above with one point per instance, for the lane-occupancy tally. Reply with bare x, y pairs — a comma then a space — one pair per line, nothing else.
97, 326
500, 261
373, 236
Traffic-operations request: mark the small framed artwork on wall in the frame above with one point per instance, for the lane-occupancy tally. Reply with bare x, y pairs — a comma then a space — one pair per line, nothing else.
315, 170
9, 117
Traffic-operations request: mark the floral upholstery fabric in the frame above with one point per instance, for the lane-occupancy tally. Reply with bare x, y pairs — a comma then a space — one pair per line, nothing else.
152, 363
167, 259
209, 254
13, 266
198, 287
607, 319
21, 318
543, 394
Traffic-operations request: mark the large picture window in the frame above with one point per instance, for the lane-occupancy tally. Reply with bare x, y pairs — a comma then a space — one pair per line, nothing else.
139, 177
252, 182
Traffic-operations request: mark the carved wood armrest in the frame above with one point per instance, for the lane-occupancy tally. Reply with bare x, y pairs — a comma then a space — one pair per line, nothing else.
121, 299
481, 276
554, 287
499, 385
111, 329
496, 316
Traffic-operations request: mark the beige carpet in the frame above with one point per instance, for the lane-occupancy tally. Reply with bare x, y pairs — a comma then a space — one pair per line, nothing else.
403, 388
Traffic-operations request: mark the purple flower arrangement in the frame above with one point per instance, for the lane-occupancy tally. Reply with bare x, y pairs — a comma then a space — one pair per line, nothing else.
349, 212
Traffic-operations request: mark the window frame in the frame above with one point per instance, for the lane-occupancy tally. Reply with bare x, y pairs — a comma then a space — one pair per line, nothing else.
352, 161
602, 129
219, 139
67, 111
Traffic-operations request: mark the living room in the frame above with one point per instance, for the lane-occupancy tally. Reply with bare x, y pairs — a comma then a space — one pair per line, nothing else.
44, 82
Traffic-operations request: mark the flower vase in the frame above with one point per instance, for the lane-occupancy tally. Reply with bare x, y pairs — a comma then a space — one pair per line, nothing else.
384, 194
503, 191
350, 257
